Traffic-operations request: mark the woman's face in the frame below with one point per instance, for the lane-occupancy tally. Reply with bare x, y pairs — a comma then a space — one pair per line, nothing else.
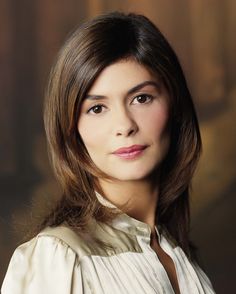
126, 107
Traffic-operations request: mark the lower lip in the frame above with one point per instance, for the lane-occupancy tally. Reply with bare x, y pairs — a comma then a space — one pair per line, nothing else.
130, 155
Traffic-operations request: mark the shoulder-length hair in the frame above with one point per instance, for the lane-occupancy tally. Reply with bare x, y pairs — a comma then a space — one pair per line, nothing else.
92, 47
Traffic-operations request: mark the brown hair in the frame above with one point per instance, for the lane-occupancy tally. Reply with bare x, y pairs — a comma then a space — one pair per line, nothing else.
95, 45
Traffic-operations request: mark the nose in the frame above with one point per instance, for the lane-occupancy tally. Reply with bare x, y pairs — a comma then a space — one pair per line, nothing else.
124, 123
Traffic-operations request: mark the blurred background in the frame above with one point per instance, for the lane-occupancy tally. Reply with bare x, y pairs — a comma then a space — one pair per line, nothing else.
201, 32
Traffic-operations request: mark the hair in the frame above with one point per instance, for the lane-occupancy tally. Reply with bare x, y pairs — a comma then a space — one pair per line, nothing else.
92, 47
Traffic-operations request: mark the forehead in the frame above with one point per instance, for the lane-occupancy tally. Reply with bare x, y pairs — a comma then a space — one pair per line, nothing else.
121, 76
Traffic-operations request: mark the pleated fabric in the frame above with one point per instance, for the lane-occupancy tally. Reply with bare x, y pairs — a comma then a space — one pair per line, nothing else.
60, 261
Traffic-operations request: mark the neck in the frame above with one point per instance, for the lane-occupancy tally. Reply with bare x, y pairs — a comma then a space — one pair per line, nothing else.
140, 196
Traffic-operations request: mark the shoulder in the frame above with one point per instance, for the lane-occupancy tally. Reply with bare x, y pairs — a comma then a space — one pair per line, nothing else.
37, 264
50, 240
54, 241
65, 236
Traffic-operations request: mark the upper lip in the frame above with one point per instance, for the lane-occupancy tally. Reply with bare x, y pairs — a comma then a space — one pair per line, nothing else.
130, 149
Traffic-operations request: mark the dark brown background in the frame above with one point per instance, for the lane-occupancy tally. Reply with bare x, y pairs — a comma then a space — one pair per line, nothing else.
201, 32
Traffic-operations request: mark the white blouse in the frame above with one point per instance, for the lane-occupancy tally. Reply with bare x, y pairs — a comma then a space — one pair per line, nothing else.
60, 261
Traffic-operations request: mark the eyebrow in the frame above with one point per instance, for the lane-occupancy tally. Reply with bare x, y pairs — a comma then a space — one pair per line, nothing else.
131, 91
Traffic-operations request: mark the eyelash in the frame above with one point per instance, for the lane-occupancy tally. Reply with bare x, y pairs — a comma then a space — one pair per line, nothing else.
150, 98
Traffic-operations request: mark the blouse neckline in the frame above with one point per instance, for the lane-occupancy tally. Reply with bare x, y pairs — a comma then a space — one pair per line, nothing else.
128, 224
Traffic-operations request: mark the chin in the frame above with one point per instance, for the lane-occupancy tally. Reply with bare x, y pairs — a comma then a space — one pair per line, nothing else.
133, 175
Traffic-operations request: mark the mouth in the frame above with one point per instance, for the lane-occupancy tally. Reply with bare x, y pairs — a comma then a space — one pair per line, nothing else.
131, 152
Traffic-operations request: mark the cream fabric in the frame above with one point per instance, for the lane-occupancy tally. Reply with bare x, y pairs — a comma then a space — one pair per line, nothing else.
60, 261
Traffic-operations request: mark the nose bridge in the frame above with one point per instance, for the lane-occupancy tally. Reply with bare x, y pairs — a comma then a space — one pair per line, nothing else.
124, 121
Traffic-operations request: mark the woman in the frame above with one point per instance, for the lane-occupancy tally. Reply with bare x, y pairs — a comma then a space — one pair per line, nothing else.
124, 142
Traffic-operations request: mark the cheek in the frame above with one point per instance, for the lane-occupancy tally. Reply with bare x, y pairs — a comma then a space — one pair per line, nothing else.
157, 122
91, 136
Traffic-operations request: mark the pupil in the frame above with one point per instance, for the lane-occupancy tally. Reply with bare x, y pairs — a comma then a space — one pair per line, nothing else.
97, 109
141, 98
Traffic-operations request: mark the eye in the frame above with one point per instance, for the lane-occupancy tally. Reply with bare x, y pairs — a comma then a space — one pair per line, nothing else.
142, 99
96, 109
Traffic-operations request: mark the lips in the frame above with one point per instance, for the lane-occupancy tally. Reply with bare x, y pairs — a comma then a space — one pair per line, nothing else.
131, 149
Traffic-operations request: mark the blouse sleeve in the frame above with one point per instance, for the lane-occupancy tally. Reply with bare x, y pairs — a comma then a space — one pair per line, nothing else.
46, 265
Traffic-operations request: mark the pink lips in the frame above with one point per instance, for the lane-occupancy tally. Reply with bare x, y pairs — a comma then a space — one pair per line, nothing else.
130, 152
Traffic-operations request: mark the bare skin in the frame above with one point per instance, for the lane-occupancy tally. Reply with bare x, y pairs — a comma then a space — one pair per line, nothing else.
166, 261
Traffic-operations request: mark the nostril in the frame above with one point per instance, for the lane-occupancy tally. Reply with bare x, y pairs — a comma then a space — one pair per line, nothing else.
131, 132
127, 131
